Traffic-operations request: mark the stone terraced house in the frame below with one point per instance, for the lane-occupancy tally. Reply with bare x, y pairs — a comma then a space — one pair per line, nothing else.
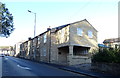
68, 44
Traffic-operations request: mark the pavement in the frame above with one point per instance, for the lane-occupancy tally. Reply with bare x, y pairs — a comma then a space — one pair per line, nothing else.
84, 72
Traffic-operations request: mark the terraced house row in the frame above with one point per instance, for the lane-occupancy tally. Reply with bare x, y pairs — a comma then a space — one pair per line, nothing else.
67, 44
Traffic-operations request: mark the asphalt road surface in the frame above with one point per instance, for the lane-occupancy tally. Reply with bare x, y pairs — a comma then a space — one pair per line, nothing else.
11, 66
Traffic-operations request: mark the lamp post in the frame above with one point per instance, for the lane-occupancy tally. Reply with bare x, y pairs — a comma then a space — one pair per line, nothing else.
34, 22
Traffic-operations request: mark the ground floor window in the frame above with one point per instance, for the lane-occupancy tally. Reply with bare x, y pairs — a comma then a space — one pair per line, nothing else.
78, 50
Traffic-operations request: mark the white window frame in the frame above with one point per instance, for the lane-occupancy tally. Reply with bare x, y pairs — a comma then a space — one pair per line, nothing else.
45, 38
38, 40
79, 32
62, 33
90, 34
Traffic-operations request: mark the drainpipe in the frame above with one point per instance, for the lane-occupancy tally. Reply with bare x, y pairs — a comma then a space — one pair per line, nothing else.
50, 47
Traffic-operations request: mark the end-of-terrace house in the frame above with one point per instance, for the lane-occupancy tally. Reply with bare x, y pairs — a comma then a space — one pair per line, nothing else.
112, 42
17, 48
67, 44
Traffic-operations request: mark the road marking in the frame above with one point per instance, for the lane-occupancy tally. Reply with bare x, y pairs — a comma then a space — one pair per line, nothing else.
23, 67
0, 67
6, 58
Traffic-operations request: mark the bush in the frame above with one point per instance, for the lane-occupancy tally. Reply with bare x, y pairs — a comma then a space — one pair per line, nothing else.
107, 55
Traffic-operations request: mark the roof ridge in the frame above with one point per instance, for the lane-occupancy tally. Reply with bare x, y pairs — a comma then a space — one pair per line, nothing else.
62, 26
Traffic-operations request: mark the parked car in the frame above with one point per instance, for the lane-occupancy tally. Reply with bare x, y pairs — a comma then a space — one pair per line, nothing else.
6, 54
2, 55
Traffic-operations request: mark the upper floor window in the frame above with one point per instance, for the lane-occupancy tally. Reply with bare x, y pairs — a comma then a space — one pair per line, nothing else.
43, 51
45, 38
38, 40
79, 31
90, 34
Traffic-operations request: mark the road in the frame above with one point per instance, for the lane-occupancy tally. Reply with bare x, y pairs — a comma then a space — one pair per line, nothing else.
12, 66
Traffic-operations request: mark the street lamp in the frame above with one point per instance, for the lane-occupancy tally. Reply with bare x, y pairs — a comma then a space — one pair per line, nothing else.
34, 22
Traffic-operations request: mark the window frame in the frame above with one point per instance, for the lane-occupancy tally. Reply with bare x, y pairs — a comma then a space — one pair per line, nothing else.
79, 31
38, 40
90, 34
45, 38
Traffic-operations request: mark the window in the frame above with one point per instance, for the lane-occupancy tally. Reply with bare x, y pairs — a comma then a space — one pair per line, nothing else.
79, 31
85, 52
38, 40
43, 52
62, 40
45, 38
90, 34
80, 52
33, 43
62, 33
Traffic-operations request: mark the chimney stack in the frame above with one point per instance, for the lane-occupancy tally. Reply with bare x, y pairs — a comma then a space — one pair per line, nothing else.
49, 28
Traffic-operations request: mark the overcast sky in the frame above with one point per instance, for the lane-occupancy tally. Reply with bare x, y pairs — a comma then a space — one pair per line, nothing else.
102, 14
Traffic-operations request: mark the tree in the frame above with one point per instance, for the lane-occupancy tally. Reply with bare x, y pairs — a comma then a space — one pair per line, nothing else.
6, 21
107, 55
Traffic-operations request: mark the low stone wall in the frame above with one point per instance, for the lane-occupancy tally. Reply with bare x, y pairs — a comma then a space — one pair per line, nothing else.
79, 60
112, 68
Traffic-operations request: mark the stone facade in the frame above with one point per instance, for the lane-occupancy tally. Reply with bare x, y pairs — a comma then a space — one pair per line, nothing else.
67, 44
17, 48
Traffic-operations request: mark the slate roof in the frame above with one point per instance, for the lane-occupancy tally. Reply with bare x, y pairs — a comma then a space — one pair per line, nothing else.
62, 26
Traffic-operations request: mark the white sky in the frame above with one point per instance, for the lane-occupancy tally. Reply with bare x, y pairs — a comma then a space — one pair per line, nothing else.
102, 14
